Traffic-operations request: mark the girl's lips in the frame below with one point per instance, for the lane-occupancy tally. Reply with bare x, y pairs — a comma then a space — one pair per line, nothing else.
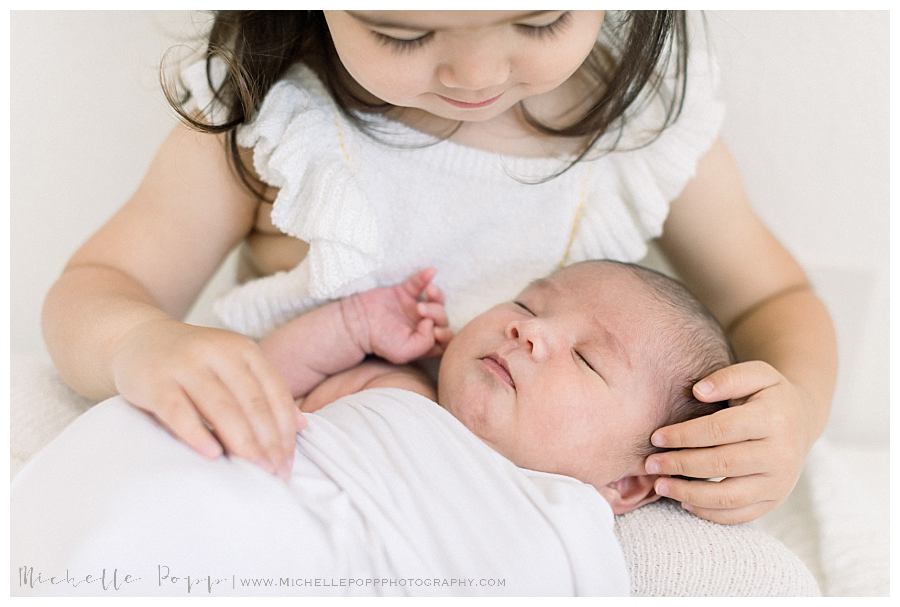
465, 104
498, 368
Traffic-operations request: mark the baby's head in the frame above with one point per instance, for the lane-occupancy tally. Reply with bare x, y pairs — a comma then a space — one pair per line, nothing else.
576, 373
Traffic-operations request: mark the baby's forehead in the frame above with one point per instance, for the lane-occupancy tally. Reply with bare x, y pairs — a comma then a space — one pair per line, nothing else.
612, 305
587, 287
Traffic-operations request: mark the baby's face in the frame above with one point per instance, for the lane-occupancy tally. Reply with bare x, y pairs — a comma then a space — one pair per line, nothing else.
558, 380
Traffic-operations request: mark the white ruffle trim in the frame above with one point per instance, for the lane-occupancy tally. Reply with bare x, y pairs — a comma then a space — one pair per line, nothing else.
633, 189
300, 146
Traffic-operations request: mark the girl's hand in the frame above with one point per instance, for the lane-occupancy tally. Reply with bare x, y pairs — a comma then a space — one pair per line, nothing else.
401, 323
206, 384
759, 444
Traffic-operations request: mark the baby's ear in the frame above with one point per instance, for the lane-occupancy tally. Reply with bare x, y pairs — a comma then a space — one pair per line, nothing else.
630, 492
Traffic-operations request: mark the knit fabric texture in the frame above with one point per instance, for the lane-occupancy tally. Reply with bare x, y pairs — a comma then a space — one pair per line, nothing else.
670, 552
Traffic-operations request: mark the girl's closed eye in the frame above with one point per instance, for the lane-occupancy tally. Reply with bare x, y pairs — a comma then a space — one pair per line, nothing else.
538, 31
403, 44
548, 30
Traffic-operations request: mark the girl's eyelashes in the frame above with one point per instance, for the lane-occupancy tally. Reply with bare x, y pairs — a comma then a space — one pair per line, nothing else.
539, 31
551, 29
524, 307
400, 44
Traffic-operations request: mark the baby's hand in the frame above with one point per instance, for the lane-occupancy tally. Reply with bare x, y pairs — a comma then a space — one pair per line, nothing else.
760, 446
401, 323
206, 384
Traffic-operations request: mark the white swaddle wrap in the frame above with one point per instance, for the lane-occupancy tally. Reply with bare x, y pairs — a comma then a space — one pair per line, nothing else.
390, 495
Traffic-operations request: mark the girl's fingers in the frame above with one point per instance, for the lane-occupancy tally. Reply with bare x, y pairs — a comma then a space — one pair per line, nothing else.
729, 494
250, 397
281, 403
434, 311
216, 403
738, 459
736, 381
280, 398
733, 425
179, 415
732, 516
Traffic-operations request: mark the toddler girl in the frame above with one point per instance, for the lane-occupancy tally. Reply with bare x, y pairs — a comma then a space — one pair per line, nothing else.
345, 149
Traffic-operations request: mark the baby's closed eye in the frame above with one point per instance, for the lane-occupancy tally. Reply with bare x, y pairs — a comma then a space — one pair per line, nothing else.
524, 307
583, 360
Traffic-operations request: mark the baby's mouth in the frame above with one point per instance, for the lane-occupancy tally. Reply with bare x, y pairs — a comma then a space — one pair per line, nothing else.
500, 368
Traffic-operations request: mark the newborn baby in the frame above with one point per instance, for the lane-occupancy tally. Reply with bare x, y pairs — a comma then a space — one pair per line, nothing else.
572, 377
548, 404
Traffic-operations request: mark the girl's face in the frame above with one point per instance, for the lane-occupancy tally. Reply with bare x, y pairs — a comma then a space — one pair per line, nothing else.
462, 65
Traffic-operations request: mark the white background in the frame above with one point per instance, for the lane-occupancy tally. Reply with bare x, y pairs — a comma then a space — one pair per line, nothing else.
808, 117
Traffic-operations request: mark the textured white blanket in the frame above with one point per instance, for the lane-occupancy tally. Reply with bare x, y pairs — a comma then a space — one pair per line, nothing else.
390, 495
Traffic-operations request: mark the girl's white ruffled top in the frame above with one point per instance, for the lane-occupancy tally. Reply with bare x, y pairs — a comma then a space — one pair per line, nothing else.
376, 209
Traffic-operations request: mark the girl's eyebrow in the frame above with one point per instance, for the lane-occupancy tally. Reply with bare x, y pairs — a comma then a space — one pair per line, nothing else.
372, 18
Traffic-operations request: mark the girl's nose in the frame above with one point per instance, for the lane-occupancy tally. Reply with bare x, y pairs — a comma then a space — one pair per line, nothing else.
474, 71
530, 336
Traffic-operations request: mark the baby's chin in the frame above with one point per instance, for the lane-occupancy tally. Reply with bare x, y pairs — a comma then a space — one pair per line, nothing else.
473, 414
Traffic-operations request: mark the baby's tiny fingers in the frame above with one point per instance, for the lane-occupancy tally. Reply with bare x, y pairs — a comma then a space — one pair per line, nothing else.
425, 328
726, 495
733, 516
433, 293
416, 284
443, 335
434, 311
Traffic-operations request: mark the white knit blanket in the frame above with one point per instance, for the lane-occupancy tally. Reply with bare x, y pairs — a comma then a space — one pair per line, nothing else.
390, 494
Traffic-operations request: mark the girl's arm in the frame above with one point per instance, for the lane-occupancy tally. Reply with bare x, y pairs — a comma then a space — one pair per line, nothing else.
112, 320
756, 289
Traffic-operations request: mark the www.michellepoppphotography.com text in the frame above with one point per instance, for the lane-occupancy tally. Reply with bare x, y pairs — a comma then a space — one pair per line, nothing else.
115, 580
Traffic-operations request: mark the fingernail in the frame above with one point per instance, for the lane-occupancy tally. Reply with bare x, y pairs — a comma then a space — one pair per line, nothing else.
265, 465
212, 450
301, 420
662, 488
704, 388
653, 467
687, 507
658, 439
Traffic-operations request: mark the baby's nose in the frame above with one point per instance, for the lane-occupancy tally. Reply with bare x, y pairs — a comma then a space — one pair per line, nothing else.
529, 335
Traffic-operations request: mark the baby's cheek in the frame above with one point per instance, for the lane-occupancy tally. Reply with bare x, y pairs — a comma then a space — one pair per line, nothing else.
470, 408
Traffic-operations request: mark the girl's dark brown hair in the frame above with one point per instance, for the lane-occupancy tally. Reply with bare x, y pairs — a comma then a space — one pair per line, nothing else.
258, 47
